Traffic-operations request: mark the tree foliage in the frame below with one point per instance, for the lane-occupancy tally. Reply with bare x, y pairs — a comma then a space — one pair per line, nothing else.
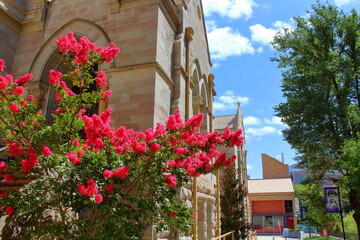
320, 58
312, 196
233, 204
90, 180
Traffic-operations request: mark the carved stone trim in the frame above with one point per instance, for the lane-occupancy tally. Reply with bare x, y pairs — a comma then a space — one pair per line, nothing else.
114, 6
197, 100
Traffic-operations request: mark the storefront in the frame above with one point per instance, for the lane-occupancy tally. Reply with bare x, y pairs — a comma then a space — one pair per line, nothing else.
272, 224
272, 205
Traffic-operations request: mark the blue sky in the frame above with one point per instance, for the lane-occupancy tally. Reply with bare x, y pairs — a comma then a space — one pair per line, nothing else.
239, 32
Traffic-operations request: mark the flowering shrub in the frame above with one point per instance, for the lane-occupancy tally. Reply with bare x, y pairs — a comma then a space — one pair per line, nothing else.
92, 181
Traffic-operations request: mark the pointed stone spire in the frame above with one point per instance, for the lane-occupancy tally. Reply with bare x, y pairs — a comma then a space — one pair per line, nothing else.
238, 116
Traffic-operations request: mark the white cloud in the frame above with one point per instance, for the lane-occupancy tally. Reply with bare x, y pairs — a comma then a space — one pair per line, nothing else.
229, 101
249, 166
216, 65
233, 9
225, 42
256, 132
339, 3
263, 35
274, 121
250, 120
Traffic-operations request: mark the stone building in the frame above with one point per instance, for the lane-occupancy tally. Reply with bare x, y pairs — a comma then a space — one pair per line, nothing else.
235, 122
164, 64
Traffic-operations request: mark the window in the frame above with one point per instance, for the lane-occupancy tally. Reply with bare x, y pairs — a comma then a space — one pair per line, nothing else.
288, 206
268, 224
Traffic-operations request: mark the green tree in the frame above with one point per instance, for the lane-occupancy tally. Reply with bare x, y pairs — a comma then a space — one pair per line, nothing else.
320, 58
312, 196
233, 204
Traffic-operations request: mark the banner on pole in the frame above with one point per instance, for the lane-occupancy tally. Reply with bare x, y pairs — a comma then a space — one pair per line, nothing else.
303, 213
331, 200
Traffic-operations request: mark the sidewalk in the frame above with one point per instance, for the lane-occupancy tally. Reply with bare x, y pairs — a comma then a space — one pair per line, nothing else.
272, 237
279, 237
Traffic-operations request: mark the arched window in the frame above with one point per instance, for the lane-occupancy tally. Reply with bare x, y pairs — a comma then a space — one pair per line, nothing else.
56, 62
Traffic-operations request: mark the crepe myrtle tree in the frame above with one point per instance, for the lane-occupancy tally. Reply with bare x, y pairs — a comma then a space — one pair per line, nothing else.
92, 181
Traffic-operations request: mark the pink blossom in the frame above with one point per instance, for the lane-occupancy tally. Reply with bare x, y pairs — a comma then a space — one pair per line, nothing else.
139, 147
4, 194
54, 77
46, 151
14, 108
18, 90
109, 189
2, 65
109, 52
9, 210
58, 111
171, 163
172, 214
30, 162
76, 142
106, 95
122, 172
101, 79
9, 78
30, 97
160, 129
90, 190
98, 198
24, 79
15, 150
154, 147
80, 153
2, 166
108, 174
196, 120
3, 83
71, 156
24, 104
170, 181
9, 178
181, 151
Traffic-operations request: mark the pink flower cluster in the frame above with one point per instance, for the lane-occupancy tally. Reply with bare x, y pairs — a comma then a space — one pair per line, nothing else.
170, 181
101, 79
197, 161
90, 190
2, 166
30, 162
81, 49
2, 65
120, 172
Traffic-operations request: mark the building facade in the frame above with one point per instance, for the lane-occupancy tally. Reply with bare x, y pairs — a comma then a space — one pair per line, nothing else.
272, 199
164, 65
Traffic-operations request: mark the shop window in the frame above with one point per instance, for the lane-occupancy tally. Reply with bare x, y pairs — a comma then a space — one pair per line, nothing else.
288, 206
268, 224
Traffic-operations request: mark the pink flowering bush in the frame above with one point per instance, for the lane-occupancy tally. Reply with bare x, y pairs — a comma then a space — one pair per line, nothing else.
91, 180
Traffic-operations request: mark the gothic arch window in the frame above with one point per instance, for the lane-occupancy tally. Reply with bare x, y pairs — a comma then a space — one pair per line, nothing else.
200, 95
48, 54
56, 62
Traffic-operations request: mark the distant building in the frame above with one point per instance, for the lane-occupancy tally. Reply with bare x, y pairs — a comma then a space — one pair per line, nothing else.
273, 168
297, 175
272, 205
272, 199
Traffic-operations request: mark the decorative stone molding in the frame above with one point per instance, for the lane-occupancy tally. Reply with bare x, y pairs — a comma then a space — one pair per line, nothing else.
189, 32
40, 14
114, 6
197, 100
36, 90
